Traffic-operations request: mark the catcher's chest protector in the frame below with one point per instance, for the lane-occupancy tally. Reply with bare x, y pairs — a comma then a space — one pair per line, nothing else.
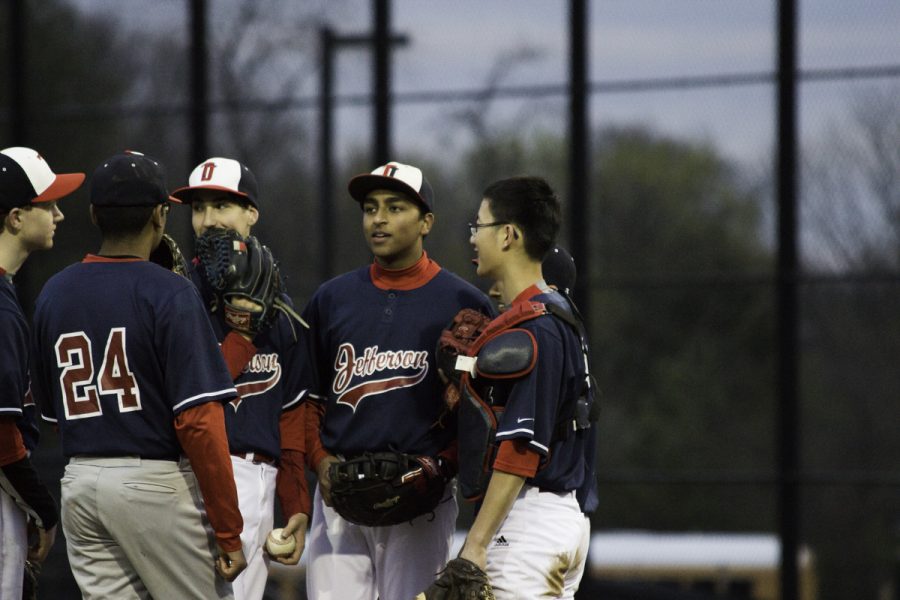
504, 353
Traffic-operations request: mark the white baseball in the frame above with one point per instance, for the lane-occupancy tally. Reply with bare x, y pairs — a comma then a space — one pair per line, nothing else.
278, 545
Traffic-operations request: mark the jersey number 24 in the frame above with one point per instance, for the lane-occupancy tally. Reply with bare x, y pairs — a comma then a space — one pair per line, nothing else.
79, 393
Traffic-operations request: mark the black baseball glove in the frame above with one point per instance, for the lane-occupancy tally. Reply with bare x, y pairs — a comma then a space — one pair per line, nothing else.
243, 268
168, 255
461, 579
30, 580
386, 488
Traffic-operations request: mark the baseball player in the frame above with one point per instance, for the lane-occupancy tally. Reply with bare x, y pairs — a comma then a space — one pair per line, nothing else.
374, 387
127, 366
29, 190
531, 532
265, 423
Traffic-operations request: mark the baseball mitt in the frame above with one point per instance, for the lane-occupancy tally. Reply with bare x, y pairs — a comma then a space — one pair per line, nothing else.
168, 255
461, 579
386, 488
30, 580
239, 268
455, 340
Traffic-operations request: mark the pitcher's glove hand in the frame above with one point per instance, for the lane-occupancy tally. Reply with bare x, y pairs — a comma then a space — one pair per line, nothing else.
168, 255
461, 579
242, 268
386, 488
455, 340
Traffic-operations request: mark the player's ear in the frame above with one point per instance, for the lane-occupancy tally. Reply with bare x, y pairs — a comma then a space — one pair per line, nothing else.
511, 233
427, 224
158, 216
12, 220
252, 215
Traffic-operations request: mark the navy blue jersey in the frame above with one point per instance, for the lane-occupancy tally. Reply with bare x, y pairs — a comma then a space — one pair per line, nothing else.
372, 361
14, 341
269, 384
121, 347
536, 403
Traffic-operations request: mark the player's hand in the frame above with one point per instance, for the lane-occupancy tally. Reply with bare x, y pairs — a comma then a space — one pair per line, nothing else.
245, 304
296, 526
324, 480
230, 564
38, 551
248, 305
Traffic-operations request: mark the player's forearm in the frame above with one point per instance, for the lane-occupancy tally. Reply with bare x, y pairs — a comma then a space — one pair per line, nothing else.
201, 431
501, 494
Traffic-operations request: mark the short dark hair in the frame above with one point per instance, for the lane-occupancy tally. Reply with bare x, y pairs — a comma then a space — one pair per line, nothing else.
116, 222
531, 204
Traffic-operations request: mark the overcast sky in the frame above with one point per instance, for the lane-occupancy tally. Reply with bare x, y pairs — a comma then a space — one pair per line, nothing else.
454, 45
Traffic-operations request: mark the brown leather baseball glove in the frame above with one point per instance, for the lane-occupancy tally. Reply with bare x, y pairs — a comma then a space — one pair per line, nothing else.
461, 579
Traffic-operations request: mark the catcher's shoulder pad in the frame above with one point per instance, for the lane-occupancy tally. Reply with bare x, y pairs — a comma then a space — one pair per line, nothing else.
508, 355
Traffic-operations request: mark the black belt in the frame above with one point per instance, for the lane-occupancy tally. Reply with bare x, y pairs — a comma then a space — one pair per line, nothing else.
255, 457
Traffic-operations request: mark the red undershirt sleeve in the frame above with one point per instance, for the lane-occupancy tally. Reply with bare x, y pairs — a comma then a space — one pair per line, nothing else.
315, 452
12, 448
290, 484
201, 431
516, 458
237, 351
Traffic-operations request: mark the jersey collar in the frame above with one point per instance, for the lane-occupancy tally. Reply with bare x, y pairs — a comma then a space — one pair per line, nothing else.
96, 258
410, 278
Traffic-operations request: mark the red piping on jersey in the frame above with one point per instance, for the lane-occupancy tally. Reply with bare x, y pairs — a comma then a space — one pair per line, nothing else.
410, 278
96, 258
2, 271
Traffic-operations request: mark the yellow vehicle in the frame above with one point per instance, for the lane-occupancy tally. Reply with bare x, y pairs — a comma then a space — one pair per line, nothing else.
738, 565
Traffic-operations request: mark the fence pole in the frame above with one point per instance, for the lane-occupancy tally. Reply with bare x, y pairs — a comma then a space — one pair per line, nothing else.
787, 310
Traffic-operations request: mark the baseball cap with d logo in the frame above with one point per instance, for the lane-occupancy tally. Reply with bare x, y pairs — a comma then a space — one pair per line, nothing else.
396, 177
223, 174
26, 178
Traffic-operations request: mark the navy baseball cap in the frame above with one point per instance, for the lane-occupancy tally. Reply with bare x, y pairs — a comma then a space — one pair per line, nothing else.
26, 178
130, 179
559, 269
396, 177
223, 174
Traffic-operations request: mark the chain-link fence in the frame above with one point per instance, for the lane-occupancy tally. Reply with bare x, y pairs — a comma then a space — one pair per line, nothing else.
682, 224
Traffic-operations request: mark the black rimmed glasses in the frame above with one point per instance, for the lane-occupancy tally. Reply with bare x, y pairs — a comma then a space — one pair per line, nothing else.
474, 227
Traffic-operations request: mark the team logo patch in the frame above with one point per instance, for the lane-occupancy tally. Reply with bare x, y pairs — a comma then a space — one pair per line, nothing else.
347, 366
266, 364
